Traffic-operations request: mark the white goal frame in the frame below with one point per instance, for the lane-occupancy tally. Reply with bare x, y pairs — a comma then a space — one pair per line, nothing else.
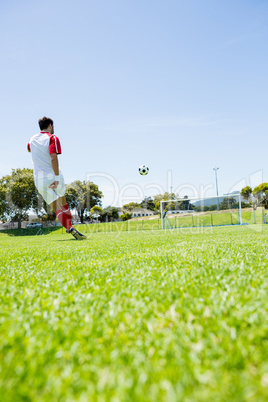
193, 199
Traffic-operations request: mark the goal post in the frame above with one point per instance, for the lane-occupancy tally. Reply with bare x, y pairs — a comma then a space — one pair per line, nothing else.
200, 212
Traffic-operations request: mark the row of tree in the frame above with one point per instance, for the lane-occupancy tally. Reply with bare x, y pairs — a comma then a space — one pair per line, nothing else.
252, 198
18, 196
184, 204
257, 196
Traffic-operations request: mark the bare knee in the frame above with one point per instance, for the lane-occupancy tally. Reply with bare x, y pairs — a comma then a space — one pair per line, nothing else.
55, 205
62, 201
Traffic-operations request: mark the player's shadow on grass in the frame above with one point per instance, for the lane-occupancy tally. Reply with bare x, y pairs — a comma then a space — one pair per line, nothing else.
66, 240
60, 240
29, 232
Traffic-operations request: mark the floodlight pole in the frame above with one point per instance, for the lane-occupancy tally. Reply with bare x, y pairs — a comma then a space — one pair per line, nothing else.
215, 169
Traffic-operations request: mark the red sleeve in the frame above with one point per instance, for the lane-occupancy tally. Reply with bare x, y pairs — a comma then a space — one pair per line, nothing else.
54, 145
28, 147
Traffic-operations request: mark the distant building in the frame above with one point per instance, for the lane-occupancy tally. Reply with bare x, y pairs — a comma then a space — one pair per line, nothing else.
180, 211
139, 212
136, 212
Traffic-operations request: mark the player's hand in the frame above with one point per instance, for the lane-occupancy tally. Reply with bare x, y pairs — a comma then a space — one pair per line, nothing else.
54, 185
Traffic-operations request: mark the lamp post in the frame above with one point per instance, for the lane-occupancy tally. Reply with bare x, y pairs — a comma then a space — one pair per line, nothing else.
215, 169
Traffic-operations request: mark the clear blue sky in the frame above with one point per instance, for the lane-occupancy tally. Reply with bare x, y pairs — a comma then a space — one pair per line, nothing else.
178, 85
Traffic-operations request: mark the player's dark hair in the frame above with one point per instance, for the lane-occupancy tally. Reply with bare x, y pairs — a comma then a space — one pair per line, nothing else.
45, 122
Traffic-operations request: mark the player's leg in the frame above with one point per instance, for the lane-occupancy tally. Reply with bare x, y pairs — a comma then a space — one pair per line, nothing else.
60, 192
65, 207
55, 198
62, 201
65, 220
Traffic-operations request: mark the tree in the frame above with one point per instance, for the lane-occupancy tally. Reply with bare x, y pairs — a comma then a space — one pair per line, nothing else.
213, 207
185, 204
126, 216
131, 206
109, 213
261, 194
43, 210
171, 206
227, 203
162, 197
82, 196
96, 209
4, 207
246, 193
148, 203
18, 194
96, 212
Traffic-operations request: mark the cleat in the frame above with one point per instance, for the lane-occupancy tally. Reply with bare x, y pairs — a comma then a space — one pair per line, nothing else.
77, 235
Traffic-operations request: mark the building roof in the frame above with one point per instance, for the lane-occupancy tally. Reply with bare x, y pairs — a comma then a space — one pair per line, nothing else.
142, 210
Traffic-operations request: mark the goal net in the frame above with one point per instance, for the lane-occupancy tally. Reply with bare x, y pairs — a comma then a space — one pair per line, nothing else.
200, 212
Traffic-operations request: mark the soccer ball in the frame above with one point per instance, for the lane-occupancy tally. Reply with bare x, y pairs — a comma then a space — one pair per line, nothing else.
143, 170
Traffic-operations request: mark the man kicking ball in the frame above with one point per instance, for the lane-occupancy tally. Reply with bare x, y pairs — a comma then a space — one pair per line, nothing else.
45, 148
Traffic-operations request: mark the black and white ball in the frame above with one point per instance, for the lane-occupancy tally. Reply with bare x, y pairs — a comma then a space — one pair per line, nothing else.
143, 170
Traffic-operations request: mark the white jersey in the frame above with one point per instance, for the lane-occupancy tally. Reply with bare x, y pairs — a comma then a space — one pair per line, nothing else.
42, 145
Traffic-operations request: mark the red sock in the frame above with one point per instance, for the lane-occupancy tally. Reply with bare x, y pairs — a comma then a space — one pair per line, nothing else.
67, 211
63, 219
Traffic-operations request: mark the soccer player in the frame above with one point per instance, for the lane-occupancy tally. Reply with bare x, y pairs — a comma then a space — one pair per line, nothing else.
45, 148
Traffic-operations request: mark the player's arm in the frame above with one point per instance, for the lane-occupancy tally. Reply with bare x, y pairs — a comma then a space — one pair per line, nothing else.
55, 164
54, 151
55, 167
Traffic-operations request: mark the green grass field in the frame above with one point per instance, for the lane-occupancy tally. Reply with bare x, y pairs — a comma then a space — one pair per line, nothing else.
176, 315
